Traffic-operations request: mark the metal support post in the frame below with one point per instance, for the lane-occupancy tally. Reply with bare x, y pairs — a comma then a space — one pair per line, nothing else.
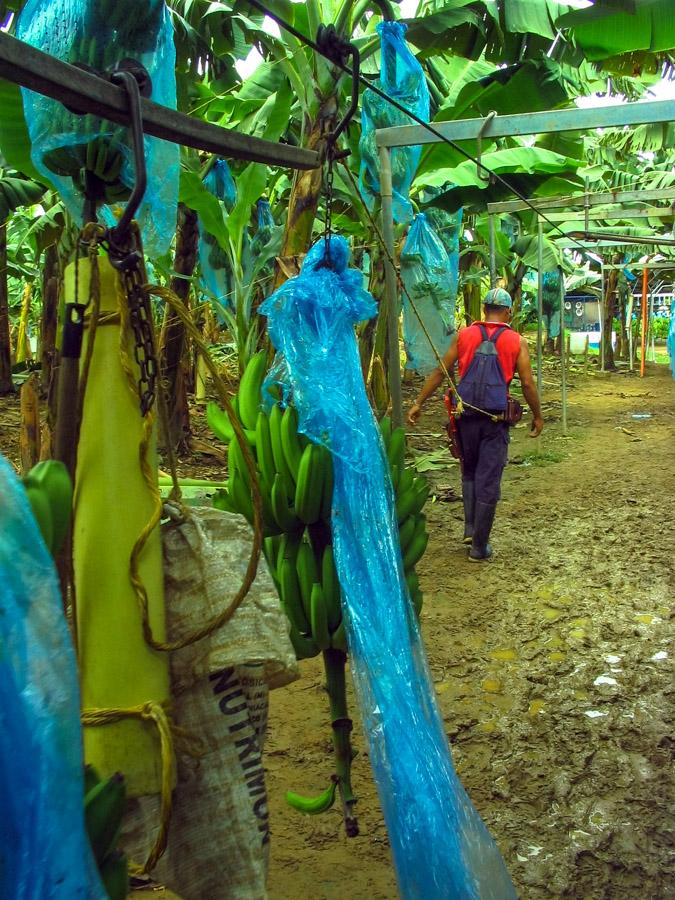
563, 360
493, 252
540, 304
390, 290
601, 316
643, 338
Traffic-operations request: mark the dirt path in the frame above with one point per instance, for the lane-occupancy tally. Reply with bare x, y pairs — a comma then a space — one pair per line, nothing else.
551, 665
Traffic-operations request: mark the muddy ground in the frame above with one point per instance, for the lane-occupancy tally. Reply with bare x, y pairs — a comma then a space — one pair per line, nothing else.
552, 664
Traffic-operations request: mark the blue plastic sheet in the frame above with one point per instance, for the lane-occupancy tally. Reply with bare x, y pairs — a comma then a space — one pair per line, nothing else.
213, 261
441, 847
101, 33
402, 78
670, 341
44, 850
430, 279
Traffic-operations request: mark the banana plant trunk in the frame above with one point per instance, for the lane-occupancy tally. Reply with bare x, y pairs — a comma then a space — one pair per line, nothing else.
173, 340
48, 317
515, 289
6, 386
469, 265
305, 197
608, 314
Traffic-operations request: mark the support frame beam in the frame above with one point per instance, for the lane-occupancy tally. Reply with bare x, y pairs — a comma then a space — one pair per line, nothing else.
599, 198
31, 68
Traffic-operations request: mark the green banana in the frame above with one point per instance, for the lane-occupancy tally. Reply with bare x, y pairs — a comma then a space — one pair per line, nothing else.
223, 500
395, 474
270, 551
319, 618
421, 486
312, 806
42, 513
309, 484
290, 441
417, 600
281, 509
327, 493
51, 478
103, 811
289, 544
331, 589
415, 550
91, 778
236, 461
396, 449
290, 597
413, 582
250, 389
114, 872
405, 481
406, 532
405, 502
240, 495
219, 423
307, 574
263, 446
304, 647
338, 639
280, 463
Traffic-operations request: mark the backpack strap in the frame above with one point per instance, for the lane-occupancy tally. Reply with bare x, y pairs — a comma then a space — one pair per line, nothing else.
483, 331
497, 334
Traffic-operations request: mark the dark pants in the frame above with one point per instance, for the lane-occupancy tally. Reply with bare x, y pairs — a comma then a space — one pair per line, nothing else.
485, 448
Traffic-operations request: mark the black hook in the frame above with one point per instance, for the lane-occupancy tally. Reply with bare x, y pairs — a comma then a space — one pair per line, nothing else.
128, 81
338, 50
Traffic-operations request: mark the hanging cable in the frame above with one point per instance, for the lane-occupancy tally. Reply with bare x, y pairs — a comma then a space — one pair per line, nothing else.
399, 106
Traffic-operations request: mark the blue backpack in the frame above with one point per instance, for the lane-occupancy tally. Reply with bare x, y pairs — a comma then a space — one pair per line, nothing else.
483, 384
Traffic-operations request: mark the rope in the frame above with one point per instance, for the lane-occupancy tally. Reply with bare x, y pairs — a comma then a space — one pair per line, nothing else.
155, 713
461, 404
217, 622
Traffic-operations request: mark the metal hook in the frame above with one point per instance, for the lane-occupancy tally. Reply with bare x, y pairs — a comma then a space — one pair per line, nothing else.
338, 51
128, 81
479, 147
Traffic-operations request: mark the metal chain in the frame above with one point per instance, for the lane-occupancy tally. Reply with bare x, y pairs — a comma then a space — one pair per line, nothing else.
128, 260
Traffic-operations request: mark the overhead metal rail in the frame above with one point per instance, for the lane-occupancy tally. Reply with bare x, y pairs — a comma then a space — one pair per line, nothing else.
598, 198
646, 212
31, 68
522, 124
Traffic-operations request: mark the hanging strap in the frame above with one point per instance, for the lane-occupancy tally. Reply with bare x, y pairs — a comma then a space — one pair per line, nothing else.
495, 336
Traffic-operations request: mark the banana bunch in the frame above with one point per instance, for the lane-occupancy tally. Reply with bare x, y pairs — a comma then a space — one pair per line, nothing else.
50, 493
296, 485
104, 804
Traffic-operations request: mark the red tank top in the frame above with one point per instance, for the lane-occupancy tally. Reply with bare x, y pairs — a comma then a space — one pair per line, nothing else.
508, 347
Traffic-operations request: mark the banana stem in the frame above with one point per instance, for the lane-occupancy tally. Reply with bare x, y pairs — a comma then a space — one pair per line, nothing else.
334, 664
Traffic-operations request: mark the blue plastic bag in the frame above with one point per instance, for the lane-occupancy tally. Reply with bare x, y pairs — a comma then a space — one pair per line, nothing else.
430, 279
402, 78
213, 261
440, 846
670, 342
101, 33
44, 850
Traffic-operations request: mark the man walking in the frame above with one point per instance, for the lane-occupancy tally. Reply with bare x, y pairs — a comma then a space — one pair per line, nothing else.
488, 354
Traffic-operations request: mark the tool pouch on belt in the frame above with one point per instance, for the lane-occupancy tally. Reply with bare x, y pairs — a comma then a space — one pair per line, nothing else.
514, 411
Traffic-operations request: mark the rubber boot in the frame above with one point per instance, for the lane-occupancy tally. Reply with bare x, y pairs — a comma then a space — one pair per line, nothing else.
469, 498
482, 526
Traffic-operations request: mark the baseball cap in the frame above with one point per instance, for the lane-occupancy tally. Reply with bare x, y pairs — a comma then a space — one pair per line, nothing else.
498, 297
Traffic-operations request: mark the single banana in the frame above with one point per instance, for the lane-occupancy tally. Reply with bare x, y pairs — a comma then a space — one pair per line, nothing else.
240, 495
312, 806
219, 423
406, 480
281, 509
52, 477
385, 430
415, 550
223, 500
114, 872
91, 778
290, 597
290, 441
396, 449
280, 463
395, 475
40, 506
250, 389
305, 647
289, 544
309, 486
319, 618
413, 581
331, 589
338, 639
405, 502
103, 810
421, 495
307, 574
406, 532
263, 446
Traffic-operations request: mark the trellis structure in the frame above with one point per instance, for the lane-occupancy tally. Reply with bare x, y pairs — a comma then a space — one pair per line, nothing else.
547, 122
